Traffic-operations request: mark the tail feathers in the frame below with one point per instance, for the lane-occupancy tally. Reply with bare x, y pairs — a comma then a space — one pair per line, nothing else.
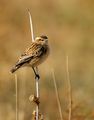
14, 68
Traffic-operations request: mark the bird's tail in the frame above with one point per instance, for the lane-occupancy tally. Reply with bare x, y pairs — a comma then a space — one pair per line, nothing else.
14, 68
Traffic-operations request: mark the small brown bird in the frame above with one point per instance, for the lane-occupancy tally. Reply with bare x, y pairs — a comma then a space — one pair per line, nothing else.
34, 55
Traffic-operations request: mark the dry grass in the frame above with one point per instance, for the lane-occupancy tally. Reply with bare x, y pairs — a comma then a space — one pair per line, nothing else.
69, 89
16, 89
37, 79
57, 96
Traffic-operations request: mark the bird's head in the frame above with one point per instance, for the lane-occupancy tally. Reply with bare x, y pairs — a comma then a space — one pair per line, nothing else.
42, 39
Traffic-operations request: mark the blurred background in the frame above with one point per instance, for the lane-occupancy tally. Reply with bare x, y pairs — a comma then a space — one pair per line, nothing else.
69, 25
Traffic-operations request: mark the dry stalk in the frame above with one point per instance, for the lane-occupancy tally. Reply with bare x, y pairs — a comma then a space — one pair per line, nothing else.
16, 89
69, 89
57, 95
34, 99
31, 25
41, 117
37, 80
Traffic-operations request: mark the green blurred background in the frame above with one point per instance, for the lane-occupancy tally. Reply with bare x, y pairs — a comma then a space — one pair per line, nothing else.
69, 25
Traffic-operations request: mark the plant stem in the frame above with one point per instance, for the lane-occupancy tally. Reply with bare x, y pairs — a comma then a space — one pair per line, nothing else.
31, 25
37, 80
16, 88
57, 95
37, 95
69, 89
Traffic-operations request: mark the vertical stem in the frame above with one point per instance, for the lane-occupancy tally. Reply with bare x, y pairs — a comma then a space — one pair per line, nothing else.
37, 84
37, 80
37, 88
57, 95
37, 95
69, 89
16, 88
31, 25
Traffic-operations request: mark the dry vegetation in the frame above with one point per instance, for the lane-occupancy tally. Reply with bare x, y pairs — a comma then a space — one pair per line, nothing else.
69, 25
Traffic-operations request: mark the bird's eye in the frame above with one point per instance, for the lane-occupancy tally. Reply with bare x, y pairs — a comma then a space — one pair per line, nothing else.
41, 39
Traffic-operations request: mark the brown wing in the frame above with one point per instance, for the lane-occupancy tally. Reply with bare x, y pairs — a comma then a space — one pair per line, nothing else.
35, 50
32, 54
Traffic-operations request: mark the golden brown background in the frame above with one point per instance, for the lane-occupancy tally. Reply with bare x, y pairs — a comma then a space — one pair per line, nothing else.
69, 24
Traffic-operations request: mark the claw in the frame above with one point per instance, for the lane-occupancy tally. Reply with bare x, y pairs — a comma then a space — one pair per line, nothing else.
37, 76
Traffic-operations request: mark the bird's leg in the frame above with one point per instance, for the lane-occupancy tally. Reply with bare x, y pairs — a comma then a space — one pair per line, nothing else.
36, 75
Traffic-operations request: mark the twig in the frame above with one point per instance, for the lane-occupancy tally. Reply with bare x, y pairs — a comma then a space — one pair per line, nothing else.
37, 80
31, 25
69, 89
16, 88
57, 95
37, 95
37, 84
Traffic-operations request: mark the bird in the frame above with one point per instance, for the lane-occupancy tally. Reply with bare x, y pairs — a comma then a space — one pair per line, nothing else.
34, 55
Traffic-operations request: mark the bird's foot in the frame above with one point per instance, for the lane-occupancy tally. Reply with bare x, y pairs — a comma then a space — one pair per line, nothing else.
37, 76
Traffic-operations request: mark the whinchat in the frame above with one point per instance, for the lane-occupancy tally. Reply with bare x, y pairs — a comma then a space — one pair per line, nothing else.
34, 55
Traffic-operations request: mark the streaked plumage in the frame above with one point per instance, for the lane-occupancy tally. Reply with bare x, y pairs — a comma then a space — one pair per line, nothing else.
34, 55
